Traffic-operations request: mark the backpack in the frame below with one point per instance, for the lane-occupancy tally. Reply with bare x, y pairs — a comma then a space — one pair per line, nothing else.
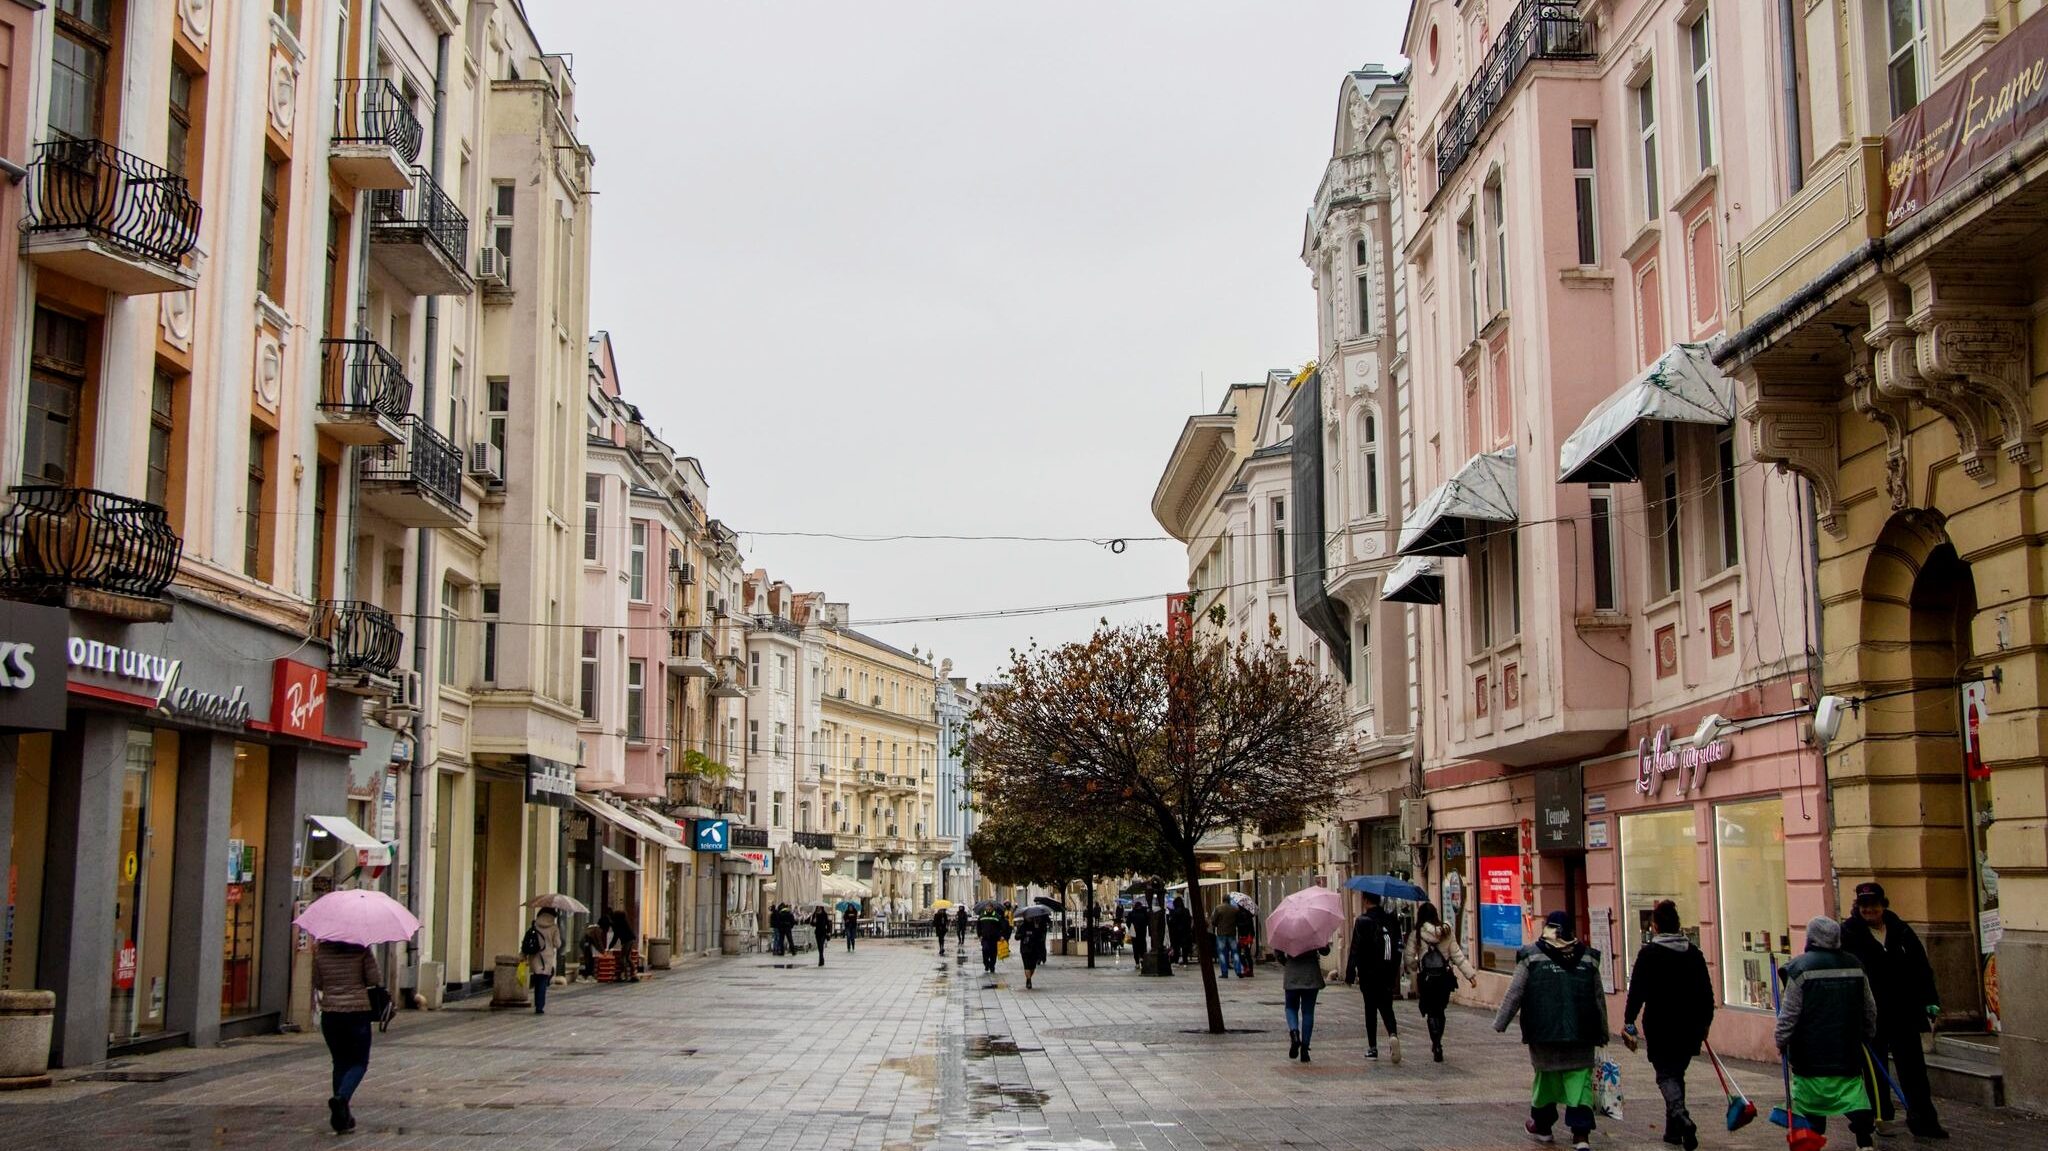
531, 943
1433, 961
1379, 946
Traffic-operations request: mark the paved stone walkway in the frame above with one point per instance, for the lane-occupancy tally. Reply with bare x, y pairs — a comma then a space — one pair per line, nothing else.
887, 1050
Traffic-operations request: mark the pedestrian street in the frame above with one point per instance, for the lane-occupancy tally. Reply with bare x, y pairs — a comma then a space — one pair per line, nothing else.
887, 1048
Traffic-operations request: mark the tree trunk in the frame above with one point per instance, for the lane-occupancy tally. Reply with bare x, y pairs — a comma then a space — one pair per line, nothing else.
1210, 997
1089, 919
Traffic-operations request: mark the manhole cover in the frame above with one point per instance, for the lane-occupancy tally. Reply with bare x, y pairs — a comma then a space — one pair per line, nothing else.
128, 1076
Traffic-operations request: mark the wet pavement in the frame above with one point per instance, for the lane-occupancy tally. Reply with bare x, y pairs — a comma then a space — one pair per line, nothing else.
887, 1049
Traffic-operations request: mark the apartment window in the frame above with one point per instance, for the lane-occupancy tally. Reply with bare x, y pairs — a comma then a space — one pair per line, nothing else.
803, 815
781, 744
1468, 255
1361, 662
1479, 567
1665, 521
252, 504
1279, 567
78, 66
1511, 542
1584, 194
178, 139
1606, 585
782, 674
593, 507
451, 603
586, 694
1497, 233
1724, 491
1361, 267
1646, 133
753, 669
636, 561
491, 601
330, 275
162, 394
497, 412
1700, 48
775, 810
55, 395
636, 699
268, 281
1907, 47
287, 11
502, 199
1369, 463
753, 737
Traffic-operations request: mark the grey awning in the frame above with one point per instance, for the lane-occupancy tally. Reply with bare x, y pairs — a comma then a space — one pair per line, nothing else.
1483, 491
1682, 387
1416, 579
610, 860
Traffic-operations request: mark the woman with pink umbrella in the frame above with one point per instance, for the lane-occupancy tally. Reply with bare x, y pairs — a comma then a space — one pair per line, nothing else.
1299, 932
348, 985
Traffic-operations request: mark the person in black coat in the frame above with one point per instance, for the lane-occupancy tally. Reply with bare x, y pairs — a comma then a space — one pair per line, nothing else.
1180, 931
1140, 920
821, 926
1902, 981
1374, 962
939, 924
992, 929
1670, 988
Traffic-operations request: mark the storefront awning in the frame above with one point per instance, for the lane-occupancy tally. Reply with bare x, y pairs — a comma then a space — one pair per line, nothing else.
635, 826
1416, 579
1483, 491
370, 851
1682, 387
610, 860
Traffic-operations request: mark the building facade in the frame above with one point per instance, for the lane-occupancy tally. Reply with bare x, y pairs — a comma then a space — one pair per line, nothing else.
880, 733
953, 791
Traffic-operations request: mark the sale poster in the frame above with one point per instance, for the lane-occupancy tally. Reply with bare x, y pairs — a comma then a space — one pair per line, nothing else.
1500, 900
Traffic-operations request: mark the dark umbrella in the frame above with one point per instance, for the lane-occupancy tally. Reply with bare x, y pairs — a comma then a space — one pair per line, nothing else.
1386, 887
1049, 901
1035, 911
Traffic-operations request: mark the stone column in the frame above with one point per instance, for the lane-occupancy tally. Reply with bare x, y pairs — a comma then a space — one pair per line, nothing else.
88, 763
206, 783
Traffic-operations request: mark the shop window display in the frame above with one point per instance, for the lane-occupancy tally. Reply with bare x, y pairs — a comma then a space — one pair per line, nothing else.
140, 931
1498, 893
1659, 861
241, 949
1749, 841
1451, 896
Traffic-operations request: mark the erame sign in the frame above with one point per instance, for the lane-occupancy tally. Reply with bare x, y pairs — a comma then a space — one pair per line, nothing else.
1656, 758
1968, 122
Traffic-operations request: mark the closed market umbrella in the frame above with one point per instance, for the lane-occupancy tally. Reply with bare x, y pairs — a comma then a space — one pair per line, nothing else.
1386, 887
1305, 921
358, 916
556, 901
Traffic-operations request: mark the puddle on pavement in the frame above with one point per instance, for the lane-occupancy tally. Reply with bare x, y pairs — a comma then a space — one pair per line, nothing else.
990, 1046
991, 1099
128, 1076
922, 1068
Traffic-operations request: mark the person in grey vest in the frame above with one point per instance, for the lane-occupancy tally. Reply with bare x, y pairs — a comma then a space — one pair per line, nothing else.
1557, 993
1825, 1016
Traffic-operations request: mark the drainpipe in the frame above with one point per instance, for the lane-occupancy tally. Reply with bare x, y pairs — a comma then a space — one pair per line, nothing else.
1788, 52
423, 540
1826, 782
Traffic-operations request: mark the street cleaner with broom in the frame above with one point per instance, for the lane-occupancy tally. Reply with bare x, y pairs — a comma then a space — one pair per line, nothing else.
1557, 992
1826, 1015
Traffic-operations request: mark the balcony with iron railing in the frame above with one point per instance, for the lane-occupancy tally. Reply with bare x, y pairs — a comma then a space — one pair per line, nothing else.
415, 481
815, 840
376, 134
1537, 30
689, 653
364, 391
90, 550
420, 236
363, 643
108, 218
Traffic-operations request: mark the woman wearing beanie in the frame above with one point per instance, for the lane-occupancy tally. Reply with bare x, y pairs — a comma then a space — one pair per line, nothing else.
1825, 1016
1557, 993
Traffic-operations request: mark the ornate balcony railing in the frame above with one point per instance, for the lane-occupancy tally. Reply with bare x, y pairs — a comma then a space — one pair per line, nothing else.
1537, 30
422, 456
424, 208
56, 539
815, 840
363, 638
94, 187
371, 112
361, 375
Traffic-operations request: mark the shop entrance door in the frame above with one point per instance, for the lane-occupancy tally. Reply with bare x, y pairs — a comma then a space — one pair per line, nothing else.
142, 886
479, 878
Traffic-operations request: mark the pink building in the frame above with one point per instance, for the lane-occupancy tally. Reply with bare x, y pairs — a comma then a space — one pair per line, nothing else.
1626, 602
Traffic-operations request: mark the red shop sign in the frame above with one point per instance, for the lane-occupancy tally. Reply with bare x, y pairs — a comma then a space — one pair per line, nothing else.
124, 967
298, 699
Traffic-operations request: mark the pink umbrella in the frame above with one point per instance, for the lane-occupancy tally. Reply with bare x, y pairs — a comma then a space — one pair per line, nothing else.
365, 917
1305, 921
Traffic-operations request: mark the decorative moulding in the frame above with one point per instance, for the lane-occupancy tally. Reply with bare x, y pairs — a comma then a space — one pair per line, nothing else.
269, 371
284, 91
196, 18
174, 315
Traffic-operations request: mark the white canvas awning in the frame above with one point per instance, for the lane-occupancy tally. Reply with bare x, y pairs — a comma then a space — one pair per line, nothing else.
1682, 387
1416, 579
369, 850
837, 886
634, 826
609, 860
1483, 491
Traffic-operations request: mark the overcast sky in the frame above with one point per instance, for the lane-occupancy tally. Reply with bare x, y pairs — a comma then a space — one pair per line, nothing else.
954, 268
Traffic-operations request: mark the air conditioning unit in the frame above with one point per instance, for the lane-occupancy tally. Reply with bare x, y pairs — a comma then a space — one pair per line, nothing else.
407, 700
492, 268
842, 693
487, 462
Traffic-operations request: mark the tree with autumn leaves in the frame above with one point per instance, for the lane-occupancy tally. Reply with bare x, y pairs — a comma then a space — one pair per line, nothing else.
1054, 848
1183, 736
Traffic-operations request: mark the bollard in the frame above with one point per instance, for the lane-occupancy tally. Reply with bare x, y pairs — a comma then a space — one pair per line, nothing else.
25, 1021
661, 953
506, 988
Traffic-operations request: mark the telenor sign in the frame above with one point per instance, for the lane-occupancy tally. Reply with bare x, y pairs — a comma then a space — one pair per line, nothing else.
1967, 122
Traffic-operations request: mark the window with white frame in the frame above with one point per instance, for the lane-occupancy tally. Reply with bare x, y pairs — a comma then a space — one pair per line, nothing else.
1279, 565
586, 694
636, 699
497, 412
636, 562
1664, 514
593, 509
775, 811
753, 737
1646, 135
782, 673
1906, 46
1699, 40
451, 611
1606, 583
1585, 194
781, 744
1468, 256
1479, 572
1729, 527
1361, 661
1369, 462
753, 669
1361, 268
753, 809
491, 599
1497, 242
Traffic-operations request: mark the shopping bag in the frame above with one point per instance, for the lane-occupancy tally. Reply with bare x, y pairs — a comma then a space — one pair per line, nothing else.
1607, 1088
525, 974
1002, 949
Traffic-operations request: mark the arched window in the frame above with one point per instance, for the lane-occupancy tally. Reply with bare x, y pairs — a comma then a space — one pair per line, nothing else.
1369, 463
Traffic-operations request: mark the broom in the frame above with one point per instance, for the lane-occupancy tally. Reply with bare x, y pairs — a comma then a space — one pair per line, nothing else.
1741, 1112
1799, 1132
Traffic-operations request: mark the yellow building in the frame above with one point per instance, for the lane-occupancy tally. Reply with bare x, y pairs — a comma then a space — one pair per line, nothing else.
881, 740
1889, 316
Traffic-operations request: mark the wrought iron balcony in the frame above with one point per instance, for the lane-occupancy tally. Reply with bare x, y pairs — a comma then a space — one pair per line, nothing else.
109, 218
419, 234
416, 481
1537, 30
363, 640
815, 840
376, 135
364, 392
58, 541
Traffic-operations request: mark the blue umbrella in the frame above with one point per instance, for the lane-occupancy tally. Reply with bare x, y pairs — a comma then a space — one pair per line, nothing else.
1386, 887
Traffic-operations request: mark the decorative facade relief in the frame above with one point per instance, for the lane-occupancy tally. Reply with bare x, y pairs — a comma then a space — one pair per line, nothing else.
196, 18
269, 370
174, 316
284, 91
1792, 423
1889, 414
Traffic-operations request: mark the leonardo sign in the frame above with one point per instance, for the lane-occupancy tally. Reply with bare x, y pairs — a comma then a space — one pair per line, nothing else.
1966, 123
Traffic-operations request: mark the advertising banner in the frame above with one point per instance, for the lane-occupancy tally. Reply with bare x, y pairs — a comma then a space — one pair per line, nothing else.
1500, 900
1968, 122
